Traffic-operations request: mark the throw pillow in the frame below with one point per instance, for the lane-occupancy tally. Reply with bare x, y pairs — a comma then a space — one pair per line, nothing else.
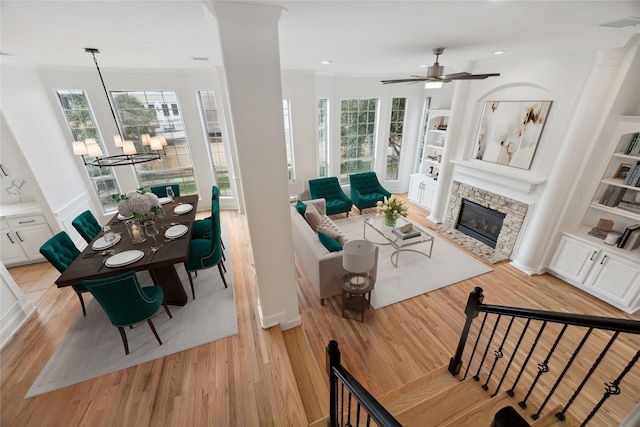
301, 207
313, 217
329, 242
332, 233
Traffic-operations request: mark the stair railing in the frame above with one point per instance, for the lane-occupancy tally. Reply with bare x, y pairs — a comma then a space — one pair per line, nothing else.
357, 405
603, 325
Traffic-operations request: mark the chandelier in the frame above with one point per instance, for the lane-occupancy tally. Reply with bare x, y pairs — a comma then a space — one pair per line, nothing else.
89, 148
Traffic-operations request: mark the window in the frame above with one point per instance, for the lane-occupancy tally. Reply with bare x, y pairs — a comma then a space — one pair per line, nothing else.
209, 110
77, 111
322, 136
423, 138
357, 136
396, 130
174, 108
288, 138
176, 166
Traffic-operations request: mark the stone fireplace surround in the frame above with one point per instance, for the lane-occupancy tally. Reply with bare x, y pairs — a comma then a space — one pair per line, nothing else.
514, 210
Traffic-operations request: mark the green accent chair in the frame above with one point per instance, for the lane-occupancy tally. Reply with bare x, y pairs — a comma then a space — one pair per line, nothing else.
329, 189
202, 227
60, 251
366, 190
126, 302
206, 253
87, 226
161, 190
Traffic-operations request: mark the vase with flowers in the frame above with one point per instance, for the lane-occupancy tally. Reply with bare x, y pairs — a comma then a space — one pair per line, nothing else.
391, 209
140, 205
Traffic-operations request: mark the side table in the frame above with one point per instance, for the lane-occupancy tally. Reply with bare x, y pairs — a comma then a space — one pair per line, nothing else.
356, 299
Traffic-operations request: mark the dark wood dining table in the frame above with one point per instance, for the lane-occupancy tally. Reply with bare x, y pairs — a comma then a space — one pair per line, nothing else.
161, 265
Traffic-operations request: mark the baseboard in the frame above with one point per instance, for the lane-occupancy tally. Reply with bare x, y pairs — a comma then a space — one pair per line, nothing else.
280, 318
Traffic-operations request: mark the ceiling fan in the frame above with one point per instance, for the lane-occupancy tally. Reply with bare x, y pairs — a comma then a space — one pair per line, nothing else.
435, 74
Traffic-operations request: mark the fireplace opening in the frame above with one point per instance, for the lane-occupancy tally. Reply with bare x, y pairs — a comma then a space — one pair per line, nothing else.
479, 222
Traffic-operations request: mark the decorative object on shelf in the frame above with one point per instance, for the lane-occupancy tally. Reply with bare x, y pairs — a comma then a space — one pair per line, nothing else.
634, 175
623, 171
130, 156
612, 238
629, 233
136, 231
142, 205
602, 229
391, 209
633, 148
509, 132
359, 256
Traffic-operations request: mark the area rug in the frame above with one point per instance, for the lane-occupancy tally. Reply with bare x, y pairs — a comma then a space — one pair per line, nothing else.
416, 274
92, 346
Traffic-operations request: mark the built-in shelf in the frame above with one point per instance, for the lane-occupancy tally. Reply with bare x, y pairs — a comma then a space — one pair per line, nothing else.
613, 210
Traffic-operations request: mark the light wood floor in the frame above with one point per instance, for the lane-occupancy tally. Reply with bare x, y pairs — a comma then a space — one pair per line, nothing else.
245, 380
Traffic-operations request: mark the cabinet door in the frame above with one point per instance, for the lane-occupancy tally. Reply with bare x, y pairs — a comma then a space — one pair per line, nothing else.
615, 277
427, 195
573, 259
414, 190
10, 250
31, 238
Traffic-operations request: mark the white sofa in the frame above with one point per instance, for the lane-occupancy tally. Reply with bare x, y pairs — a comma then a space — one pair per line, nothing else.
324, 268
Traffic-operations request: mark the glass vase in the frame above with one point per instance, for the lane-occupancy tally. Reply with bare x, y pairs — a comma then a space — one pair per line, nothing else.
389, 221
136, 231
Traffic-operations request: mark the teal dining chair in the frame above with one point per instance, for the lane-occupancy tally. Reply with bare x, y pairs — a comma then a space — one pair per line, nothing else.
127, 303
60, 251
87, 225
202, 227
205, 253
161, 190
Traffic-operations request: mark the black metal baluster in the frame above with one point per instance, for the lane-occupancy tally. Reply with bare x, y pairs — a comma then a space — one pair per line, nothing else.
358, 413
332, 359
543, 367
473, 352
342, 405
612, 388
560, 415
562, 374
368, 420
513, 355
486, 350
349, 410
498, 353
510, 392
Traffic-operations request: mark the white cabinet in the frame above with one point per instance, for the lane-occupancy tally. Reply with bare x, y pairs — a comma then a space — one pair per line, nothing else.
22, 236
609, 273
421, 189
434, 140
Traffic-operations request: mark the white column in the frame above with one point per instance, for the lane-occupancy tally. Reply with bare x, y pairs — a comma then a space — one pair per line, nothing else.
250, 51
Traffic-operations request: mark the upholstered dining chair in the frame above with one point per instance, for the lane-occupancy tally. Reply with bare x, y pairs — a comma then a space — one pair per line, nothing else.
202, 227
87, 225
329, 189
205, 253
126, 302
161, 190
366, 190
60, 251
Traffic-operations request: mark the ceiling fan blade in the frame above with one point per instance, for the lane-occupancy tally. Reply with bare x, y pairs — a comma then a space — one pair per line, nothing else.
453, 76
421, 79
475, 76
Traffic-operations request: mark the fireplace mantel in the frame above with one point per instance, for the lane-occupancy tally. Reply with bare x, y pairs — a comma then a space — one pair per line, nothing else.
516, 179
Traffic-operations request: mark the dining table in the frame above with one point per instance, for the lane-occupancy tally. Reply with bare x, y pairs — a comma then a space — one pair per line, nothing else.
161, 263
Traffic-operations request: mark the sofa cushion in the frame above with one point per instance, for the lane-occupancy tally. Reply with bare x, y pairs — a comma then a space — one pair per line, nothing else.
329, 242
313, 217
333, 232
301, 207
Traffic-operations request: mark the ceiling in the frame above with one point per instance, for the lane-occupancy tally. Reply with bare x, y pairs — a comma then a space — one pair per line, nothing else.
358, 37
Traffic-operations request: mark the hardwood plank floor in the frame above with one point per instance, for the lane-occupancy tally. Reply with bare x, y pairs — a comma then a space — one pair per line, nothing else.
244, 380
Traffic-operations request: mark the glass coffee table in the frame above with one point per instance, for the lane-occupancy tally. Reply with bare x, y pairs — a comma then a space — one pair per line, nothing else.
421, 244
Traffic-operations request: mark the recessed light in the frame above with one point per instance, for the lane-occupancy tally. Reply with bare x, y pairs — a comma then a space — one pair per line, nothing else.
200, 58
498, 52
423, 66
325, 62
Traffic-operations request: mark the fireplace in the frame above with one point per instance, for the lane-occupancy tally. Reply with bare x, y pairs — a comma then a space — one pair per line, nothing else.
479, 222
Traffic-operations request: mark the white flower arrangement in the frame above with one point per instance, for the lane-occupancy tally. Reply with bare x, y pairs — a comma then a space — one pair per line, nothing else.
391, 208
139, 204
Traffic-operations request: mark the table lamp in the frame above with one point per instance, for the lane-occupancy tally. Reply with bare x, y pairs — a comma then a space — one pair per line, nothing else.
358, 258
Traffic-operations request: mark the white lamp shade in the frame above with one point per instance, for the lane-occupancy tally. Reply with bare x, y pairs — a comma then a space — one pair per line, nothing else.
155, 143
145, 138
117, 141
358, 256
93, 149
79, 149
433, 85
128, 148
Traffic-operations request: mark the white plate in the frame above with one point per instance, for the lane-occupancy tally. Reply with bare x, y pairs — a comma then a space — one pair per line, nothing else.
165, 200
101, 243
124, 258
122, 218
176, 231
182, 209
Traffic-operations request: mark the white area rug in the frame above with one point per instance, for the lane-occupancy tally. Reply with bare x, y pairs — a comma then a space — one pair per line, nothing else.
416, 274
93, 347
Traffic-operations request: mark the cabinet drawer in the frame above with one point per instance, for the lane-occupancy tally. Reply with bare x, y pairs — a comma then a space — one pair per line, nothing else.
26, 221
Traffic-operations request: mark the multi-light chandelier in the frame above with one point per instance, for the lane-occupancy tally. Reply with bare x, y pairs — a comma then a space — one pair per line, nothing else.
89, 148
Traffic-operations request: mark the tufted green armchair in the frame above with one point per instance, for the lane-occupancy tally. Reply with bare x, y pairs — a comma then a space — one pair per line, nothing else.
60, 252
366, 190
87, 226
329, 189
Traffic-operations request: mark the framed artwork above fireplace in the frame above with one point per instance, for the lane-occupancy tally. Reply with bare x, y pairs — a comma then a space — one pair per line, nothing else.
509, 132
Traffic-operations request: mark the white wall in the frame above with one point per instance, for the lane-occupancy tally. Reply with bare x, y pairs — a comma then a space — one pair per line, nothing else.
15, 309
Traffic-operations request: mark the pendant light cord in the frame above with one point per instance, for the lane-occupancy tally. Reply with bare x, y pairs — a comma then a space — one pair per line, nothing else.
93, 53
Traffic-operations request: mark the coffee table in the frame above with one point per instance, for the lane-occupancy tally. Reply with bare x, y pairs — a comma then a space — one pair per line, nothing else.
376, 224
